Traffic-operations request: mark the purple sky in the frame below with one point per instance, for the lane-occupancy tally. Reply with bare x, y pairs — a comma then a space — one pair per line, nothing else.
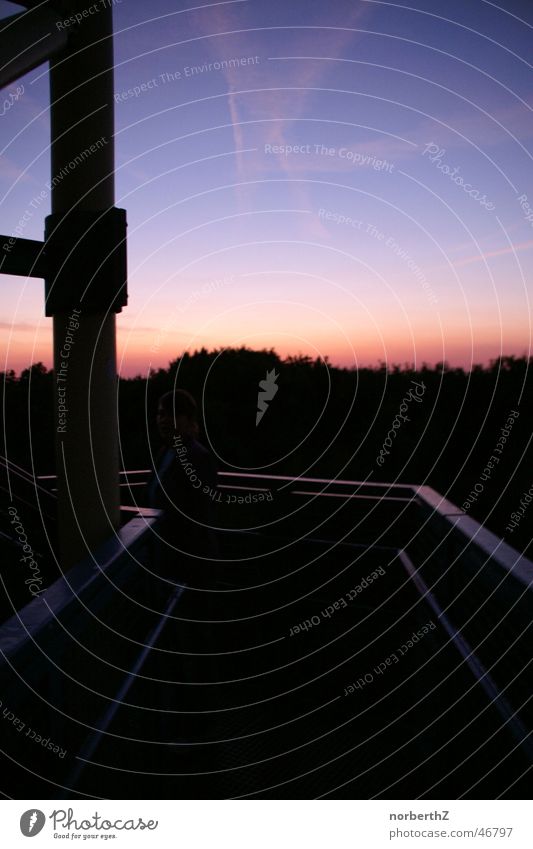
350, 179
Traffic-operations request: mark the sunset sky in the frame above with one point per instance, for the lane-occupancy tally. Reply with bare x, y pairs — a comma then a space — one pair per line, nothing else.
348, 179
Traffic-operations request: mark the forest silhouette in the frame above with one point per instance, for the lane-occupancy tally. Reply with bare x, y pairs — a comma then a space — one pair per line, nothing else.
325, 421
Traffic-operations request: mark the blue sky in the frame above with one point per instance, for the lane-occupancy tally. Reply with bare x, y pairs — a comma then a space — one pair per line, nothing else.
347, 180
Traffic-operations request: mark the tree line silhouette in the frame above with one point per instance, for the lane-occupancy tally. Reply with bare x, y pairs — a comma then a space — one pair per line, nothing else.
324, 421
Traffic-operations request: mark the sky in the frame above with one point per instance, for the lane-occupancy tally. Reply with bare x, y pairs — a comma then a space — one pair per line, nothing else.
349, 180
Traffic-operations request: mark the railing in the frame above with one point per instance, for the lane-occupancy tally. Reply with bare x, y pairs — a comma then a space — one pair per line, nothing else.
57, 680
76, 661
483, 583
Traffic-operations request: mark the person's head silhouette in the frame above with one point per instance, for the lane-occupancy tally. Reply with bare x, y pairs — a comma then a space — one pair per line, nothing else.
177, 414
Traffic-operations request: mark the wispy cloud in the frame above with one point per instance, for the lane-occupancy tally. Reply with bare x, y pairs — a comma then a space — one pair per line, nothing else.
512, 249
510, 123
11, 172
21, 327
265, 99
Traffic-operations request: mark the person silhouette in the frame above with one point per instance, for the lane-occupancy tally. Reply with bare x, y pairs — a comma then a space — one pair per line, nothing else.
183, 487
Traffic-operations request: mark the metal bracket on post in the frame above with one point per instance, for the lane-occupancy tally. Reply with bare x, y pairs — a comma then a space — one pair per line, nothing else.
86, 264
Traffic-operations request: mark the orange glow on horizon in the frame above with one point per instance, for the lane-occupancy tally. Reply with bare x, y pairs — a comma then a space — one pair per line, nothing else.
139, 349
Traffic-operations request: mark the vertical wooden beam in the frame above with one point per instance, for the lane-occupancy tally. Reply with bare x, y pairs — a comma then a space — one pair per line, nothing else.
85, 387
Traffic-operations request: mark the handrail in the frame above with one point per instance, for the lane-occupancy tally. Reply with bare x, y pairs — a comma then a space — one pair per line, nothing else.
302, 478
41, 615
51, 624
435, 509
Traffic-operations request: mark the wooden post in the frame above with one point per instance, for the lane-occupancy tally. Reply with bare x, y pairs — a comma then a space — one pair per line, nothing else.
85, 382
